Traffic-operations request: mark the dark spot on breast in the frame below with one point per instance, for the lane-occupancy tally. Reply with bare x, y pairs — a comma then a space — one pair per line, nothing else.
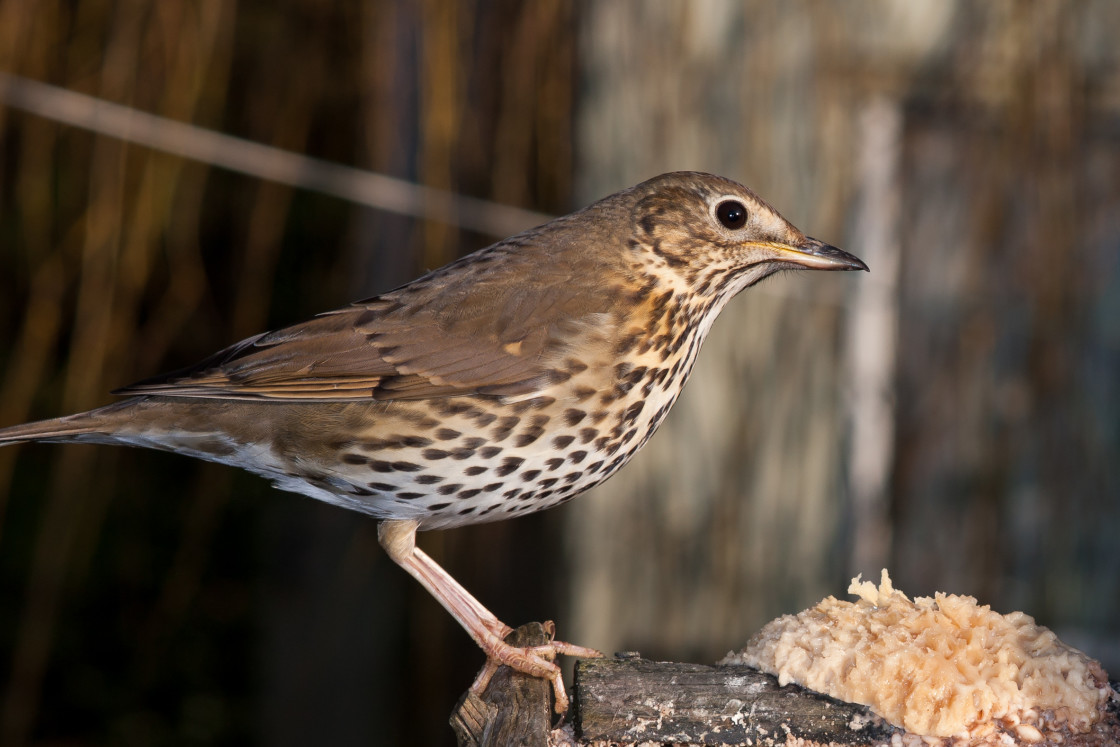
549, 482
599, 416
633, 411
484, 419
554, 463
573, 416
396, 441
489, 452
462, 453
536, 403
406, 467
530, 474
466, 494
437, 506
384, 487
562, 442
556, 376
595, 467
450, 488
428, 479
528, 436
492, 486
472, 471
509, 464
473, 443
572, 476
583, 393
379, 466
468, 510
587, 434
578, 456
512, 493
574, 366
505, 426
450, 408
447, 434
410, 496
360, 491
434, 454
354, 459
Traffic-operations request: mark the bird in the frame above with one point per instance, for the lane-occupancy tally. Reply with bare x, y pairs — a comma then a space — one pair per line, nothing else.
504, 383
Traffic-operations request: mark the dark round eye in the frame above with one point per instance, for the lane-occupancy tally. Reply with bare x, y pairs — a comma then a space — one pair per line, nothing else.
731, 214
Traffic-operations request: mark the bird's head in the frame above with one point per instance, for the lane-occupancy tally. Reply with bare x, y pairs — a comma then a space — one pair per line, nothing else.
716, 237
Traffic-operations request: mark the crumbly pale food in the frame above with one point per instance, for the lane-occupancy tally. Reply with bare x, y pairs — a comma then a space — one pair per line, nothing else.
940, 667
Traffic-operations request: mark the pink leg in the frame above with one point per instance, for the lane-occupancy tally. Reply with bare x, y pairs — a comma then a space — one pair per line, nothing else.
398, 537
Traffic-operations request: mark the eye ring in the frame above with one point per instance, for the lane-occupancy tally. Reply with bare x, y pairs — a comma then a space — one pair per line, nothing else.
732, 214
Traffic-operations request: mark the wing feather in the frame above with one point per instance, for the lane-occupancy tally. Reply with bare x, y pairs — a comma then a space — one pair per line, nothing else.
492, 327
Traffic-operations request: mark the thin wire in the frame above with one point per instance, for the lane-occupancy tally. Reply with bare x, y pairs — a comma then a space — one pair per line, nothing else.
263, 161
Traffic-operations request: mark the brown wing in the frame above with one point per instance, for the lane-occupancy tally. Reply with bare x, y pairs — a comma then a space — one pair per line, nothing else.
492, 323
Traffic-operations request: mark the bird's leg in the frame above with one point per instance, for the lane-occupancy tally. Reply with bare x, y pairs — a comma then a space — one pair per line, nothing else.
398, 537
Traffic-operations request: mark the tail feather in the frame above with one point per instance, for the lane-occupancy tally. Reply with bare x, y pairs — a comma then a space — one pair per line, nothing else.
69, 428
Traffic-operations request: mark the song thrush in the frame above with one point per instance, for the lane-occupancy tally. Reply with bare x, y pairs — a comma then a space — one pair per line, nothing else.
504, 383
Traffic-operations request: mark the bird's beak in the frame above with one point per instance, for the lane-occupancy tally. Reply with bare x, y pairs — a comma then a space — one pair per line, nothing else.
817, 255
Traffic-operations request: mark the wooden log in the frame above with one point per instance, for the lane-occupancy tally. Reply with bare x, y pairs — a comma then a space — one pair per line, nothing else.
635, 700
514, 708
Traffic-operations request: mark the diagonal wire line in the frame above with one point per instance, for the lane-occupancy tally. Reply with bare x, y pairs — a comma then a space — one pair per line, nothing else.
263, 161
274, 164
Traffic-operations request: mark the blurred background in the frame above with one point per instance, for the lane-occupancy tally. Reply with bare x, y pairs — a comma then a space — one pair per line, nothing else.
953, 416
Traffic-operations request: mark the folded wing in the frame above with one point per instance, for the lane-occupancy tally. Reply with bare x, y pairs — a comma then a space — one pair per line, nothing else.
492, 323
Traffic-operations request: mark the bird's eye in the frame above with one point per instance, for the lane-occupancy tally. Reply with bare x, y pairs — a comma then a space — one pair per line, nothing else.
732, 214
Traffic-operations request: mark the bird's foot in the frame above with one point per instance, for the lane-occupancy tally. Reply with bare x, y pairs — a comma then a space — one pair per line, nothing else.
535, 661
